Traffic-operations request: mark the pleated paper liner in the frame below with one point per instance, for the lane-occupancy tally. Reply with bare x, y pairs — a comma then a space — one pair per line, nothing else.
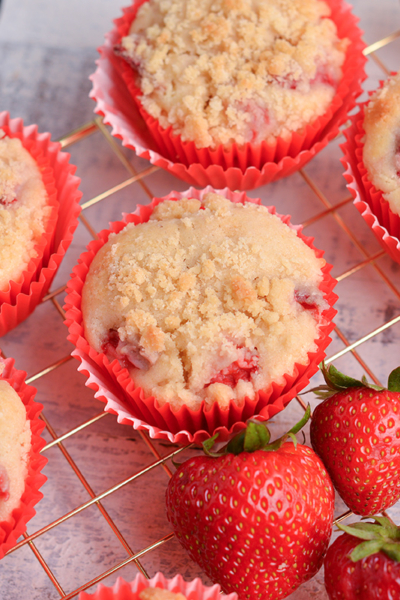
114, 386
12, 529
369, 201
241, 168
123, 590
18, 302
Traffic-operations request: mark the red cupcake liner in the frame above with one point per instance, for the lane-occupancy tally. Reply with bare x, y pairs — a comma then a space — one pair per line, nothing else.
12, 529
62, 186
242, 168
192, 590
114, 386
369, 201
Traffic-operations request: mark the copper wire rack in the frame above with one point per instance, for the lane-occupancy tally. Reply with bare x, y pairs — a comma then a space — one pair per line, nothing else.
51, 554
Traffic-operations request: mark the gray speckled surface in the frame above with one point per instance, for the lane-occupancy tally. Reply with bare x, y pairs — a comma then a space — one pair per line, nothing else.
47, 50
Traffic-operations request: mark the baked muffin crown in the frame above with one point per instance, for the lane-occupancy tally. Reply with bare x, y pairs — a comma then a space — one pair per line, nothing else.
207, 301
235, 71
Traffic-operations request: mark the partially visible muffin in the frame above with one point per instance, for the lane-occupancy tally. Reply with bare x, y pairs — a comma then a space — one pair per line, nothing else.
235, 71
381, 151
156, 593
210, 300
15, 445
24, 209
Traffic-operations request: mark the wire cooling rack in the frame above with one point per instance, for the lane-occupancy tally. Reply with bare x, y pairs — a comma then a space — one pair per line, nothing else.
102, 513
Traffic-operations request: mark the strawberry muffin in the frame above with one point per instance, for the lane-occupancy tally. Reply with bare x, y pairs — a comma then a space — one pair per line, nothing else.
156, 593
209, 301
15, 445
381, 151
24, 209
234, 71
157, 588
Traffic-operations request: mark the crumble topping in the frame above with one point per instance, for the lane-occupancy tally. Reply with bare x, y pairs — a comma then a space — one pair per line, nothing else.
160, 594
208, 300
235, 70
15, 444
23, 209
381, 152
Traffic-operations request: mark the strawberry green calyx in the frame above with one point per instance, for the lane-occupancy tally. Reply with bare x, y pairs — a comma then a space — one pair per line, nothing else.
338, 382
255, 437
381, 536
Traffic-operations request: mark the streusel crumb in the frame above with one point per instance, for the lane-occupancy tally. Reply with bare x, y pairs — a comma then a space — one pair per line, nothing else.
15, 444
23, 209
160, 594
235, 70
381, 151
215, 311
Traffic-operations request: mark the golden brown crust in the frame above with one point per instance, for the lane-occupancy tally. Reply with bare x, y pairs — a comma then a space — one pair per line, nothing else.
160, 594
187, 300
235, 70
381, 151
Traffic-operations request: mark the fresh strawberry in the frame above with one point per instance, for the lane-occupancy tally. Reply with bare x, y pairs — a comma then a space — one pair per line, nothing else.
364, 571
256, 517
356, 432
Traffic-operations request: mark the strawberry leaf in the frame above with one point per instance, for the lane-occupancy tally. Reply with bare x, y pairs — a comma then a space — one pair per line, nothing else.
356, 531
296, 428
338, 381
394, 380
366, 549
209, 444
392, 550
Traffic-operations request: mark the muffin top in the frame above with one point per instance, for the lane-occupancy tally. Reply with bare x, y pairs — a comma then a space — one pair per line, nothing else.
381, 151
156, 593
208, 300
23, 209
235, 71
15, 444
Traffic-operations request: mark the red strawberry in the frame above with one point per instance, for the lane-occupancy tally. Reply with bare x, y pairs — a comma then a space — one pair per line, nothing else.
256, 518
364, 571
356, 432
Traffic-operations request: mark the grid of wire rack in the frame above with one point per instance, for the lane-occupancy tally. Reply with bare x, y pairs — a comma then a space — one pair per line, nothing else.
153, 454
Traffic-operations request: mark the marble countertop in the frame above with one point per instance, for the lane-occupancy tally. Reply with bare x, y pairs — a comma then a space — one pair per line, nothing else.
48, 51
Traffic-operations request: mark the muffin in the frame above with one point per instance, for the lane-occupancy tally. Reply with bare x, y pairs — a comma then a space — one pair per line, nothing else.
234, 72
24, 209
209, 301
371, 159
205, 310
39, 208
15, 445
157, 588
381, 151
20, 459
234, 94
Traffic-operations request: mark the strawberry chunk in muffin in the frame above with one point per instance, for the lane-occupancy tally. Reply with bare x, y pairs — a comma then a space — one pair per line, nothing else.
209, 301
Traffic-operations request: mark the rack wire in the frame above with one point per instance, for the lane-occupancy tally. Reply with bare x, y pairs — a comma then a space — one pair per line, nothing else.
368, 255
